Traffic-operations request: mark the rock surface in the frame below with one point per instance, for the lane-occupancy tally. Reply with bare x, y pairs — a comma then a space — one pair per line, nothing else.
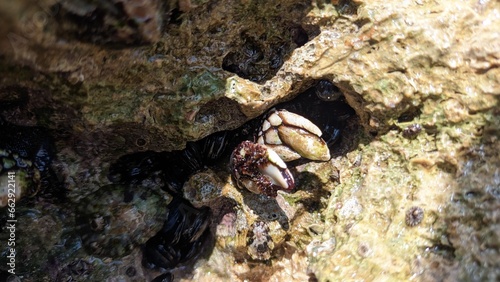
423, 77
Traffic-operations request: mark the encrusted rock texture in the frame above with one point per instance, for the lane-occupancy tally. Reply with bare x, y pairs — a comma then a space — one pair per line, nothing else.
423, 77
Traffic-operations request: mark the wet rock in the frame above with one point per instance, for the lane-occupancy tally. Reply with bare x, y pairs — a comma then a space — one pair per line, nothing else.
115, 219
170, 91
422, 63
112, 22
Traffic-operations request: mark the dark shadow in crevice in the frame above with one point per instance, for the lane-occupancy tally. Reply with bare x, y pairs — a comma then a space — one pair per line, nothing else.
410, 114
311, 184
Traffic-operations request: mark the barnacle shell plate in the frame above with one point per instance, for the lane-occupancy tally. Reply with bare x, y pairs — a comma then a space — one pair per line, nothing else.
260, 242
293, 136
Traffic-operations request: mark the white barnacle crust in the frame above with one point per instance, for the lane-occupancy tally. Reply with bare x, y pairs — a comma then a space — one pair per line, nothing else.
266, 125
272, 137
274, 119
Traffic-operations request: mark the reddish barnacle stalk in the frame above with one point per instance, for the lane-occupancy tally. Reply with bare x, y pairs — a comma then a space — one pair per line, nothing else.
260, 170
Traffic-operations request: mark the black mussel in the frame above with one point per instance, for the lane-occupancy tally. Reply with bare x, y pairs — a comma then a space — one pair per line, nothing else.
208, 150
259, 57
134, 167
299, 35
278, 52
181, 237
190, 158
327, 91
244, 62
173, 167
213, 147
177, 166
252, 50
165, 277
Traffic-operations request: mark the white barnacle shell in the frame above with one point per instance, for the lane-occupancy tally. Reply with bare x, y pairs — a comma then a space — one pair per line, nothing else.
274, 170
293, 136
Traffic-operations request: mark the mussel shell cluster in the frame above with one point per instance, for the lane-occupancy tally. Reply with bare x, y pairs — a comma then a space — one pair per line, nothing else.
181, 237
184, 230
169, 230
301, 127
173, 167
